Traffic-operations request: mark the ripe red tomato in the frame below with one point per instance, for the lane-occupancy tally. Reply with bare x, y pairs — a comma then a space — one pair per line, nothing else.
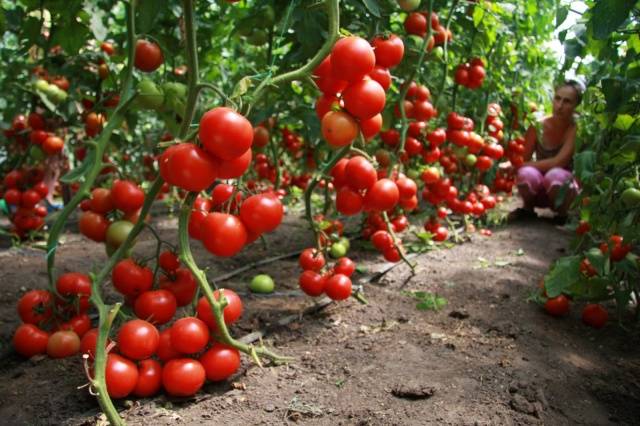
311, 260
168, 261
595, 315
345, 266
261, 136
382, 196
220, 362
416, 24
138, 339
557, 306
182, 284
148, 56
583, 227
13, 197
619, 252
261, 213
338, 287
351, 59
157, 306
165, 351
52, 145
323, 76
75, 284
188, 167
121, 376
89, 341
101, 200
441, 233
364, 99
391, 255
189, 335
35, 306
231, 169
196, 218
231, 312
389, 51
30, 340
221, 193
30, 198
360, 173
348, 201
371, 126
406, 187
382, 240
131, 279
79, 324
62, 344
484, 163
107, 48
126, 196
339, 128
149, 378
183, 377
225, 133
312, 283
93, 226
382, 76
223, 234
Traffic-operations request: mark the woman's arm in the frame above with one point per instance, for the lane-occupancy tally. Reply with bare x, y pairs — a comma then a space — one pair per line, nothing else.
529, 143
562, 158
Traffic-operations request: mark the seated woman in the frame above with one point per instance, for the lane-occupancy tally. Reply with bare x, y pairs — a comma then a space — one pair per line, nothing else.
553, 141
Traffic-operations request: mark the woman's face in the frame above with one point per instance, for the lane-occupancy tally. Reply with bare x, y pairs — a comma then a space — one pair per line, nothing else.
565, 101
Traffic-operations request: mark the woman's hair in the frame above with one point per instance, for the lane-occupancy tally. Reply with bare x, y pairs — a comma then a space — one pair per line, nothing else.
577, 86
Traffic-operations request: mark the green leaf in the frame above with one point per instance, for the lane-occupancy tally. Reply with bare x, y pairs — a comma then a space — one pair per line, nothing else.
561, 15
241, 88
72, 37
614, 92
147, 13
373, 7
75, 174
624, 122
562, 275
634, 42
584, 164
608, 15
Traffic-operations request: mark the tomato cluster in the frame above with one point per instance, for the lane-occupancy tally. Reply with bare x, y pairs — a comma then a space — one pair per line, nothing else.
316, 279
24, 190
416, 24
471, 75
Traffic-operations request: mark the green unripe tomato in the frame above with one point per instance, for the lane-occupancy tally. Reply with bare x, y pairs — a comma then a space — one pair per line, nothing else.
36, 153
408, 5
41, 85
413, 174
56, 94
631, 197
338, 250
118, 232
438, 52
149, 95
345, 242
470, 160
262, 283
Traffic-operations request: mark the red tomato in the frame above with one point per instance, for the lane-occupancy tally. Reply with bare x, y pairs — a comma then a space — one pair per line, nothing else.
231, 169
221, 193
324, 78
182, 284
149, 378
364, 99
89, 341
388, 52
231, 312
35, 306
189, 335
101, 200
311, 260
382, 196
52, 145
557, 306
188, 167
165, 350
345, 266
352, 58
148, 56
594, 315
183, 377
261, 136
261, 213
220, 362
382, 240
382, 76
156, 306
441, 234
416, 24
312, 283
339, 128
225, 133
196, 218
349, 202
121, 376
127, 196
138, 339
223, 234
168, 261
79, 324
583, 227
338, 287
371, 126
29, 340
93, 226
360, 174
131, 279
75, 284
62, 344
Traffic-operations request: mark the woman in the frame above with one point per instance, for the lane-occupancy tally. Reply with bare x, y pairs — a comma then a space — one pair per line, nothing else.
553, 142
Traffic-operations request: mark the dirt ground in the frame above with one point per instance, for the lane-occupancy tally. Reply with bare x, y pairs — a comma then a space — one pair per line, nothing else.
488, 357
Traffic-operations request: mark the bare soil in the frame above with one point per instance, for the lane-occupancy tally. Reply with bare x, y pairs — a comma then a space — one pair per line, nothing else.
488, 357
